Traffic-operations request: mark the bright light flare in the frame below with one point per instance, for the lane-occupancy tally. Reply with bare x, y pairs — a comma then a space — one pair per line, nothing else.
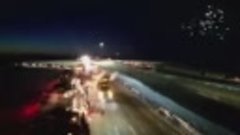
110, 94
74, 119
86, 60
113, 76
101, 96
87, 63
69, 133
106, 63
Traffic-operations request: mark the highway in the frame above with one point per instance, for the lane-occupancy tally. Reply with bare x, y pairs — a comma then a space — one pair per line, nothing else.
188, 98
130, 116
127, 114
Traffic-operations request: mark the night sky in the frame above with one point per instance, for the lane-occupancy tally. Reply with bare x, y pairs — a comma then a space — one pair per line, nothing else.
73, 26
169, 30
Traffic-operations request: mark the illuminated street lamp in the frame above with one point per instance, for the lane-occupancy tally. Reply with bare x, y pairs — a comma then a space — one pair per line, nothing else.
101, 45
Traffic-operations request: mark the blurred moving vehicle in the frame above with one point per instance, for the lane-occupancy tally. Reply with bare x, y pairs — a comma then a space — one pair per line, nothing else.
104, 85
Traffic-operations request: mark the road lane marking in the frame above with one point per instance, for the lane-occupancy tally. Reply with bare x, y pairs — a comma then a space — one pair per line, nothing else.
132, 129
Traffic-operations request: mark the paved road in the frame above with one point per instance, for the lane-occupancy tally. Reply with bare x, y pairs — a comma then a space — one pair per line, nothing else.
129, 116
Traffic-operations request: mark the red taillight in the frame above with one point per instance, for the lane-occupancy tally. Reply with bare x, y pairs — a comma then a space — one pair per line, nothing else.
30, 111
